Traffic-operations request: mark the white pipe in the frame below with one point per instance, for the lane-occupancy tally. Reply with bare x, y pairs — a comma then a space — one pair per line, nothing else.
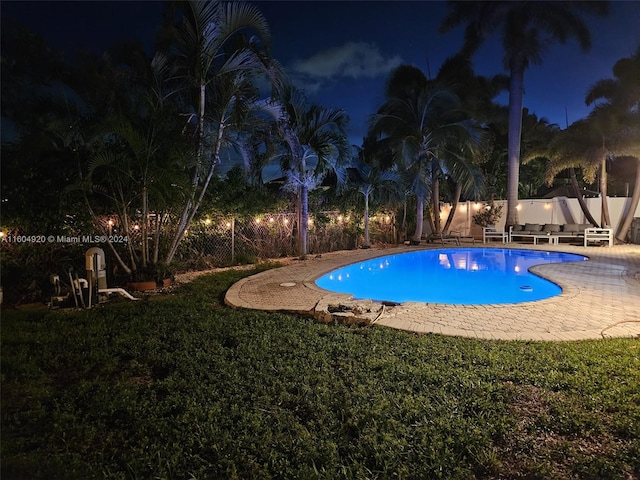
121, 291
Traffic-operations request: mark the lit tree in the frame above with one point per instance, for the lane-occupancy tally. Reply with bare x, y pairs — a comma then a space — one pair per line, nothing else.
314, 144
373, 183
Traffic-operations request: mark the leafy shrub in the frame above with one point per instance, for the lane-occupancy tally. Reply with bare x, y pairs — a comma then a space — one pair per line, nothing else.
489, 216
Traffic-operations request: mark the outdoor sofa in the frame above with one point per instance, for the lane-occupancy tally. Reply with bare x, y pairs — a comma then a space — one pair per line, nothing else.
553, 231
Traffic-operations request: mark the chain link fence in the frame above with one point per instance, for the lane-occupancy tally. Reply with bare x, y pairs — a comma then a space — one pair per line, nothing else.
222, 240
215, 241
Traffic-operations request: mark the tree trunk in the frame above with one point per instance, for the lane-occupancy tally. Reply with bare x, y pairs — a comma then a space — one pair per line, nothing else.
515, 131
188, 210
583, 204
156, 237
605, 218
304, 221
454, 207
635, 199
144, 226
417, 235
191, 208
366, 221
404, 219
435, 201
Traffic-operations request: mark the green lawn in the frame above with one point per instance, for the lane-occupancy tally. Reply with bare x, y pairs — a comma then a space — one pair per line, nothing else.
183, 387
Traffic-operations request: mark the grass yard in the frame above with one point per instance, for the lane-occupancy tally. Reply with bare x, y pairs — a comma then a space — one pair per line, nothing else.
181, 387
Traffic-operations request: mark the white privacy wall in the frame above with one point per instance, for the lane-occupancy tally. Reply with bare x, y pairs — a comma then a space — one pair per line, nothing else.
559, 210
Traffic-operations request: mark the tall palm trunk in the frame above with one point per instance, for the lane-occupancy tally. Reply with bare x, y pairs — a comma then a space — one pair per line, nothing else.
404, 219
366, 221
187, 210
435, 198
605, 218
304, 211
304, 222
515, 130
144, 226
417, 235
635, 199
583, 204
454, 207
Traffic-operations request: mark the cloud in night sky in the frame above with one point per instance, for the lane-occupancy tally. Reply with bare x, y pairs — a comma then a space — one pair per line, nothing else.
354, 60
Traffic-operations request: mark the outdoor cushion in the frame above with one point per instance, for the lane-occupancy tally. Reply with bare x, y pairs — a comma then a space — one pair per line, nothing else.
571, 228
532, 227
551, 227
517, 228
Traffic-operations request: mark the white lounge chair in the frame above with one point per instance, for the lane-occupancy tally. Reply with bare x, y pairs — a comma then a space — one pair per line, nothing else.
490, 232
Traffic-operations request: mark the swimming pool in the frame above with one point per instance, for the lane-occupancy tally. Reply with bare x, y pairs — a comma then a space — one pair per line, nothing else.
473, 276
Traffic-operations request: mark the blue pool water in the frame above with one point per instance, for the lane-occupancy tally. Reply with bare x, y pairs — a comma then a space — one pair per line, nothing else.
474, 276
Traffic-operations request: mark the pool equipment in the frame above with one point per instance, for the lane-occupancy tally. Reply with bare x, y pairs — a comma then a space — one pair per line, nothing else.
86, 292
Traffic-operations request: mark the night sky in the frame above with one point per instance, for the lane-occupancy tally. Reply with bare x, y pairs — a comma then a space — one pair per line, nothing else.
342, 52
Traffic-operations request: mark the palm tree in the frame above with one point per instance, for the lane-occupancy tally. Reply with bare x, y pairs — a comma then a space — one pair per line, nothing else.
421, 124
476, 94
216, 62
551, 145
372, 182
527, 28
611, 129
316, 145
621, 107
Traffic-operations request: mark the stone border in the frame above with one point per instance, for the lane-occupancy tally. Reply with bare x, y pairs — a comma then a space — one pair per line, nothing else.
598, 298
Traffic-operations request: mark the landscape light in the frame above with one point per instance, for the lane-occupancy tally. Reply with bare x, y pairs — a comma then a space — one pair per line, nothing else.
207, 221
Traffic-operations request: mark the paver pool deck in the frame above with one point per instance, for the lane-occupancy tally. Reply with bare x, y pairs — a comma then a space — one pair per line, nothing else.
600, 297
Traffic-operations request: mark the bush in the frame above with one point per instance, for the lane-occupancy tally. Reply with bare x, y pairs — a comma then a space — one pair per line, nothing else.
488, 216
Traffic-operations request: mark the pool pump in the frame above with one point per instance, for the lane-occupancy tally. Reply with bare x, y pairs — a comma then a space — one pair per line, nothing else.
89, 291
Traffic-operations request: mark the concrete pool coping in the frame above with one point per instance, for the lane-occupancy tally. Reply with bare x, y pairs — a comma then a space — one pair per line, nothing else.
600, 298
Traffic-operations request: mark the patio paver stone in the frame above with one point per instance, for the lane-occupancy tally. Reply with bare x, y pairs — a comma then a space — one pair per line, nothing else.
600, 298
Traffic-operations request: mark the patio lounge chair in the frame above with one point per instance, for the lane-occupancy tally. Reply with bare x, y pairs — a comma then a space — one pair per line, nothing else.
490, 232
453, 236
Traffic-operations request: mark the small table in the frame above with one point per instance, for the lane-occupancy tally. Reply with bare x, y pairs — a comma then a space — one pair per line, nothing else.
598, 235
553, 240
